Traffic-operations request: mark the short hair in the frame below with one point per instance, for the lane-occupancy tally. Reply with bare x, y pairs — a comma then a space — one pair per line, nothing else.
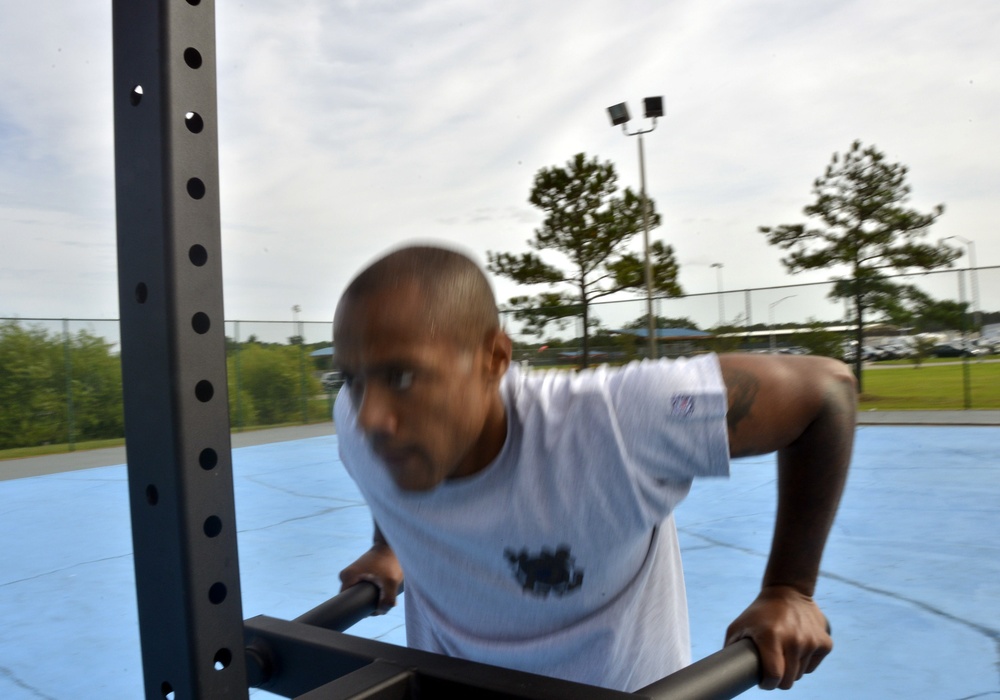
459, 299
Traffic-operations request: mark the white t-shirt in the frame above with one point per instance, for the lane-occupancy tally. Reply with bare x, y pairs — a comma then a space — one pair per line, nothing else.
560, 557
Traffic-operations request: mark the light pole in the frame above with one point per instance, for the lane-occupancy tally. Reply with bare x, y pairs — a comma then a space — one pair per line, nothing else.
722, 303
770, 317
302, 362
971, 251
619, 115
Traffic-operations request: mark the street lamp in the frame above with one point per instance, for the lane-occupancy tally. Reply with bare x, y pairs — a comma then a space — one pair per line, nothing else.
722, 303
770, 317
619, 116
971, 246
302, 361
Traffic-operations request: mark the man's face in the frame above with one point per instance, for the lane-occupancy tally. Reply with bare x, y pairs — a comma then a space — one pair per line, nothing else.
425, 404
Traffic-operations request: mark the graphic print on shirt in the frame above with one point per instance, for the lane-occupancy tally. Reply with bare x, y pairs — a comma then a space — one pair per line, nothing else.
682, 405
545, 572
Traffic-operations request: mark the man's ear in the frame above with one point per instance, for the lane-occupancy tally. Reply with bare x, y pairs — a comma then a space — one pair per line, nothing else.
499, 349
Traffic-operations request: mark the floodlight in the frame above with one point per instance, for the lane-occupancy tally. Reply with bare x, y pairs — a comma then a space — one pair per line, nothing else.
618, 114
654, 107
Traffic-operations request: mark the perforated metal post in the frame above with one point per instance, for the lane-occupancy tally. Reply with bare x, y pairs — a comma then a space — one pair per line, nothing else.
173, 350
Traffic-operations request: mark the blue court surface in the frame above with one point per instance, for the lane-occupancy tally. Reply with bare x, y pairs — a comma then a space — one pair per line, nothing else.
911, 578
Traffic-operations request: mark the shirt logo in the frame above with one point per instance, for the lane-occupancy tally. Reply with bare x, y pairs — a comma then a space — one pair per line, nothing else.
546, 572
682, 405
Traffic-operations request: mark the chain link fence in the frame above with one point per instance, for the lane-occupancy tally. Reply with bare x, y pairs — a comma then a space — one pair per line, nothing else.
60, 379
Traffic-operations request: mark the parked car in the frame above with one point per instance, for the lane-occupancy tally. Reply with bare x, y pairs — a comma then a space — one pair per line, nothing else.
987, 346
951, 350
868, 354
332, 381
895, 351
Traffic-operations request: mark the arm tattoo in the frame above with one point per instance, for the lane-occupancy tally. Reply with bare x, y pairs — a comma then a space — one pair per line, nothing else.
742, 388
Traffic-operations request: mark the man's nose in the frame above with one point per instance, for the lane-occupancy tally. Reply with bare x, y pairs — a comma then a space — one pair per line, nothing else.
375, 414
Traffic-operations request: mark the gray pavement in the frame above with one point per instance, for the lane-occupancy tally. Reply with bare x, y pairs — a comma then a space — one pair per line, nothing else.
88, 459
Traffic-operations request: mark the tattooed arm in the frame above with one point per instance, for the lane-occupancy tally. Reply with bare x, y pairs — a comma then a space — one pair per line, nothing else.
804, 409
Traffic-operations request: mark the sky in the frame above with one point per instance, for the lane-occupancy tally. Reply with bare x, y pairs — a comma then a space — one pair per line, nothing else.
350, 127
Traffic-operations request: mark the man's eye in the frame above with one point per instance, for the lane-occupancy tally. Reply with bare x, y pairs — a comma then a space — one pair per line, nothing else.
400, 380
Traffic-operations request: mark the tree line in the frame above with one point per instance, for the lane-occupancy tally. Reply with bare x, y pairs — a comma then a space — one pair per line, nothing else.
860, 223
58, 388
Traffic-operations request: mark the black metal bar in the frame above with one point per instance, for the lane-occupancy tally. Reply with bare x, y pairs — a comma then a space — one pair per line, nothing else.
721, 676
173, 349
378, 680
290, 659
343, 610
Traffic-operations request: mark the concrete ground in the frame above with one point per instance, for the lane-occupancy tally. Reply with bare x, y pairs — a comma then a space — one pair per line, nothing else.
911, 578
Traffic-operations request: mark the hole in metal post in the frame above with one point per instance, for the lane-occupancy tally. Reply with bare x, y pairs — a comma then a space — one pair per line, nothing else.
201, 323
212, 526
135, 97
152, 495
141, 293
198, 255
204, 390
208, 459
167, 690
223, 657
196, 188
194, 122
192, 57
194, 2
217, 593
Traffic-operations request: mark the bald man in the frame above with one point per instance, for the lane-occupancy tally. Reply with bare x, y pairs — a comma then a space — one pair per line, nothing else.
531, 512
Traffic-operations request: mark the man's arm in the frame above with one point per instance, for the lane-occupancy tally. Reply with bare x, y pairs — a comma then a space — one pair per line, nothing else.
379, 566
804, 408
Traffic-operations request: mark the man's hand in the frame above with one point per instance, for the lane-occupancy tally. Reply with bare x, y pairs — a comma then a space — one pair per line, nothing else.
379, 566
790, 633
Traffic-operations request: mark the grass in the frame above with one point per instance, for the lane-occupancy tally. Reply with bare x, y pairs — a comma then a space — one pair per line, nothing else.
40, 450
932, 386
62, 448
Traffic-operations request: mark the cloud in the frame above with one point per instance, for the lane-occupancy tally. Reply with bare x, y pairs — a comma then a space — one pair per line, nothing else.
348, 127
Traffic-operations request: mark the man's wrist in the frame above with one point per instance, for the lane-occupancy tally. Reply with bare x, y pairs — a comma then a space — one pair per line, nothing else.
785, 588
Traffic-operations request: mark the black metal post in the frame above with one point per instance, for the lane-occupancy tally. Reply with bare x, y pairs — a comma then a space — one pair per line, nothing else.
173, 349
68, 367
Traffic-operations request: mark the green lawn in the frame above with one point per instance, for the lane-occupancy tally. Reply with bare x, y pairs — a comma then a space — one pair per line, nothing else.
39, 450
931, 387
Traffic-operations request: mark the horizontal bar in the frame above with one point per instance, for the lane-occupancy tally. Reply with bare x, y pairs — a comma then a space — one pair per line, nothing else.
376, 681
720, 676
291, 659
343, 610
